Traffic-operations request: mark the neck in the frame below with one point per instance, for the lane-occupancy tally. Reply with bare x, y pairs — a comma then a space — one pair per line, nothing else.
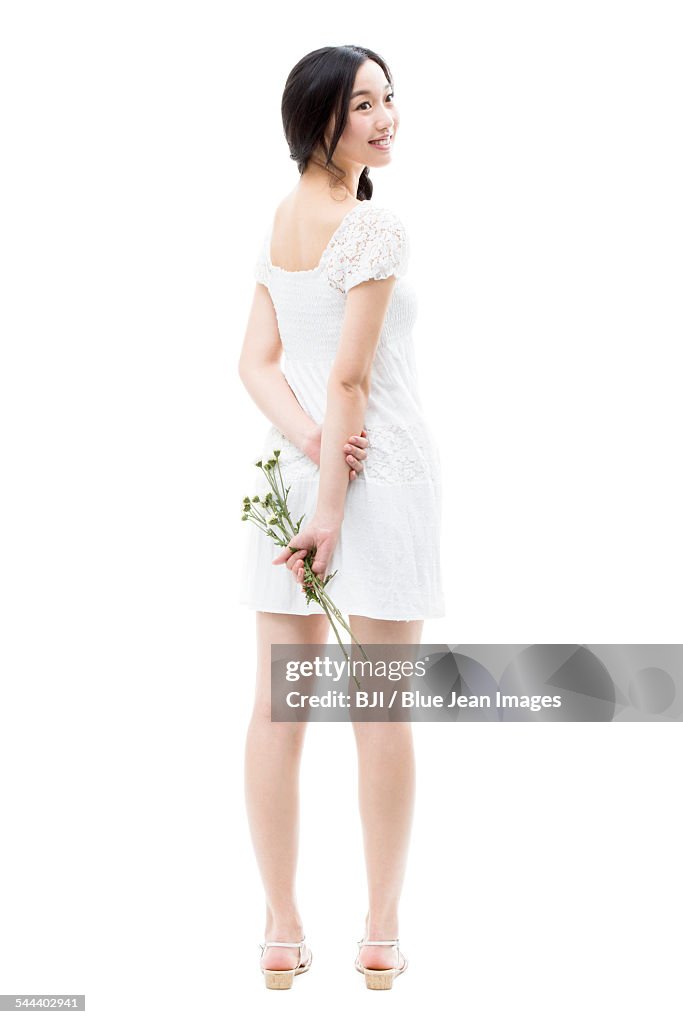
320, 178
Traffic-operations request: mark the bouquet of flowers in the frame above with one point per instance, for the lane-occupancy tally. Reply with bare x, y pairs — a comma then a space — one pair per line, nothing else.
273, 517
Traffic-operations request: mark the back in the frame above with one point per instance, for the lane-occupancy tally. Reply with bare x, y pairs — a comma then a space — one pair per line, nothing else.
397, 496
370, 243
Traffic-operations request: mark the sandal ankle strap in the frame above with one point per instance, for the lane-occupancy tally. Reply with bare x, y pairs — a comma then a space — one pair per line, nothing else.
378, 942
293, 945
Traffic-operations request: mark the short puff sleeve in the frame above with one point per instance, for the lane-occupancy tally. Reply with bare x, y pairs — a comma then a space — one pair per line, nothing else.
374, 246
261, 265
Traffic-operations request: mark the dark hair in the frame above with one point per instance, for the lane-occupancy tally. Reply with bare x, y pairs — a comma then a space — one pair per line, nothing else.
318, 88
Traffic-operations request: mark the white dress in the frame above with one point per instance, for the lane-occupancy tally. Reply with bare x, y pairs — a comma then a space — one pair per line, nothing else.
388, 553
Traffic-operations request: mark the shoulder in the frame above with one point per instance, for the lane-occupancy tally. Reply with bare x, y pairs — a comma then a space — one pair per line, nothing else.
262, 265
369, 219
372, 244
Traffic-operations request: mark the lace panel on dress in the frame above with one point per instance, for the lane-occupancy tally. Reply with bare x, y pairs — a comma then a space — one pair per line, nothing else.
372, 245
398, 454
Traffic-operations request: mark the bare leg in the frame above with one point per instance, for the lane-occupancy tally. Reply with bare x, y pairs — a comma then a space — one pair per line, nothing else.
271, 785
386, 793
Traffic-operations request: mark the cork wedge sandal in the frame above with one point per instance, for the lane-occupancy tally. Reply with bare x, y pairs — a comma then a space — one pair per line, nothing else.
284, 979
376, 979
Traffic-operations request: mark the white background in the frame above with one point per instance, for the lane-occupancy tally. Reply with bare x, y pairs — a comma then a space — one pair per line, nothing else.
538, 171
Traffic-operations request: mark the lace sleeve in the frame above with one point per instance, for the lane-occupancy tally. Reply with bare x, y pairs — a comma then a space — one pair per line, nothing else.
261, 265
374, 246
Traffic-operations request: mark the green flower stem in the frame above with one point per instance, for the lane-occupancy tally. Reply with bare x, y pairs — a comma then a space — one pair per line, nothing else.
339, 617
330, 610
275, 502
264, 526
284, 495
281, 495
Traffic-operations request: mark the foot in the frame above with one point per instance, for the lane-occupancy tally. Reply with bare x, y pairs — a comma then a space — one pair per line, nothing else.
284, 958
380, 958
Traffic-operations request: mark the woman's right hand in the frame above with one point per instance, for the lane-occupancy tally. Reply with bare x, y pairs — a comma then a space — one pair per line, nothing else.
314, 537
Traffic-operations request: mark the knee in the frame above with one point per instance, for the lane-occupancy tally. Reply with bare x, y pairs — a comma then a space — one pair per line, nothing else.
289, 732
384, 737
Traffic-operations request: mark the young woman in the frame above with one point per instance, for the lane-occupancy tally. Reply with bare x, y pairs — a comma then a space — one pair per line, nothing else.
332, 296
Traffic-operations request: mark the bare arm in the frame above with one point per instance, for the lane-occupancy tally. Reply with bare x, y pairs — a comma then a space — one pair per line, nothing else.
375, 256
259, 370
347, 398
347, 392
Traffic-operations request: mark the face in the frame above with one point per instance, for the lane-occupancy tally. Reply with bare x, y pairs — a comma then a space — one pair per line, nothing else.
372, 114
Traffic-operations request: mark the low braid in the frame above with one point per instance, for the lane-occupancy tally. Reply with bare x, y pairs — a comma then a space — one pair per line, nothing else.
365, 186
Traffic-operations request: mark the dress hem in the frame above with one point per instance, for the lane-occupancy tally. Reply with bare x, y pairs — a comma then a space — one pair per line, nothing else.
364, 614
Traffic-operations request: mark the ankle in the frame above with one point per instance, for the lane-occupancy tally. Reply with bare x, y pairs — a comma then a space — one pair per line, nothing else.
381, 926
284, 927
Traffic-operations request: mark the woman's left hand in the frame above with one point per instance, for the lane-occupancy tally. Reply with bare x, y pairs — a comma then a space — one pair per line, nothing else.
354, 450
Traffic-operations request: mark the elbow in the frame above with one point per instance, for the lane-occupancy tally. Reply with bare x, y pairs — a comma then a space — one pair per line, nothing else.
351, 388
245, 370
251, 368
